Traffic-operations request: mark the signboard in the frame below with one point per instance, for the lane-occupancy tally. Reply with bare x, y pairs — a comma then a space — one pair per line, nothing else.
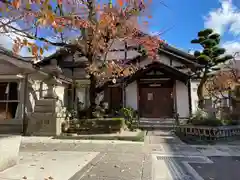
150, 96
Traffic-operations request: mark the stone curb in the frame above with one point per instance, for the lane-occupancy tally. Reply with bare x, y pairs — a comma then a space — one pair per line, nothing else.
38, 139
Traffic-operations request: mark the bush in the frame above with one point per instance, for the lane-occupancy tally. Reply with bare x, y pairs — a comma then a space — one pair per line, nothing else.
230, 122
202, 118
103, 125
208, 122
131, 117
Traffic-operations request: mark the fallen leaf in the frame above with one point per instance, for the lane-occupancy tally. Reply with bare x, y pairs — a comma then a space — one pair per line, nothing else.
91, 175
24, 177
50, 177
41, 167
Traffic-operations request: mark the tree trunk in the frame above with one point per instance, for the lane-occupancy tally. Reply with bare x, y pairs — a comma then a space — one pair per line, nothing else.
92, 95
200, 92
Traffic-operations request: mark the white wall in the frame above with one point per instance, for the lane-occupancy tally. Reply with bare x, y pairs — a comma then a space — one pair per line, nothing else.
131, 95
194, 85
33, 93
162, 59
182, 99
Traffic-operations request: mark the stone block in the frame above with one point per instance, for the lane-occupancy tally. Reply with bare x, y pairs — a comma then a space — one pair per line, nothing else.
9, 151
46, 102
44, 109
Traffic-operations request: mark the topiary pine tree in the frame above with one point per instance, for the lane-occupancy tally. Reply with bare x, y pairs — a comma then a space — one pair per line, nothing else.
210, 56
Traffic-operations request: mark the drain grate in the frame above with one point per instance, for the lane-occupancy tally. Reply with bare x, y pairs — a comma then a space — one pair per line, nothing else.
187, 159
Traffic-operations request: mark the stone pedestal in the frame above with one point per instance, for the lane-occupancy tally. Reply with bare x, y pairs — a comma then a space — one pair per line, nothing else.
43, 121
9, 151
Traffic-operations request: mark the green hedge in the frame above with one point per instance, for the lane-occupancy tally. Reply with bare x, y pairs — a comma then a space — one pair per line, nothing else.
207, 122
105, 125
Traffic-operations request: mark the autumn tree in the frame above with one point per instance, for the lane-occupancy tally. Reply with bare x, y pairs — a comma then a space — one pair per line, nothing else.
93, 27
222, 85
209, 57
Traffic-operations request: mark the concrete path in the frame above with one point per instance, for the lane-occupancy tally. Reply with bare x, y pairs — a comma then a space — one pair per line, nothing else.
161, 157
175, 160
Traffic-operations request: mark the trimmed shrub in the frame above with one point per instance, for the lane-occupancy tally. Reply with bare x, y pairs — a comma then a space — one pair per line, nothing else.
103, 125
131, 117
202, 118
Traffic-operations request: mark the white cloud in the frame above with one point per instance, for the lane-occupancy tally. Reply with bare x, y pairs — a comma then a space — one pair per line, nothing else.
225, 18
232, 47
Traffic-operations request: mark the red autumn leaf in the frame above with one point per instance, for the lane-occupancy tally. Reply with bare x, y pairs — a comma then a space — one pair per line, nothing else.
16, 3
98, 7
59, 2
120, 3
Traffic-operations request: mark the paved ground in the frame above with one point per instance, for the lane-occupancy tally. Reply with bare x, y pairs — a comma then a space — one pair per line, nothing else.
161, 157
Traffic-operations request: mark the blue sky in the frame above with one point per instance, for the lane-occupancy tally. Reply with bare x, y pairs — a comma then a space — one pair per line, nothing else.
183, 19
187, 17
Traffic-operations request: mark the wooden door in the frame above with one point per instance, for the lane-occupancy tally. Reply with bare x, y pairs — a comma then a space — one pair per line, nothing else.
156, 102
113, 95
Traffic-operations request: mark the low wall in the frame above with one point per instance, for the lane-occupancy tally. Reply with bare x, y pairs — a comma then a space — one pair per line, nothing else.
9, 151
208, 132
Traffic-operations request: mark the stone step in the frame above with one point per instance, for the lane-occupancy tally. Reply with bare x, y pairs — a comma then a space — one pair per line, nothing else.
10, 129
157, 123
46, 102
42, 116
156, 127
44, 109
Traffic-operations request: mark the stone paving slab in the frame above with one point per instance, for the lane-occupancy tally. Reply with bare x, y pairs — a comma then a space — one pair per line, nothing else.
158, 137
162, 157
169, 149
222, 168
176, 167
117, 166
219, 150
41, 139
42, 165
82, 147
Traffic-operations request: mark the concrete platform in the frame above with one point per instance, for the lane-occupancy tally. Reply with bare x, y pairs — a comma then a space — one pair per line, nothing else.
57, 165
9, 151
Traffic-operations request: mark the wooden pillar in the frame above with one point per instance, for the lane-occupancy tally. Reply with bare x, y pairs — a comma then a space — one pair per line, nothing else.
124, 94
24, 91
175, 97
138, 97
189, 97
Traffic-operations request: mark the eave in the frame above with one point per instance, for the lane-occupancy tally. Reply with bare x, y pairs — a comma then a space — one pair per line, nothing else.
162, 67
